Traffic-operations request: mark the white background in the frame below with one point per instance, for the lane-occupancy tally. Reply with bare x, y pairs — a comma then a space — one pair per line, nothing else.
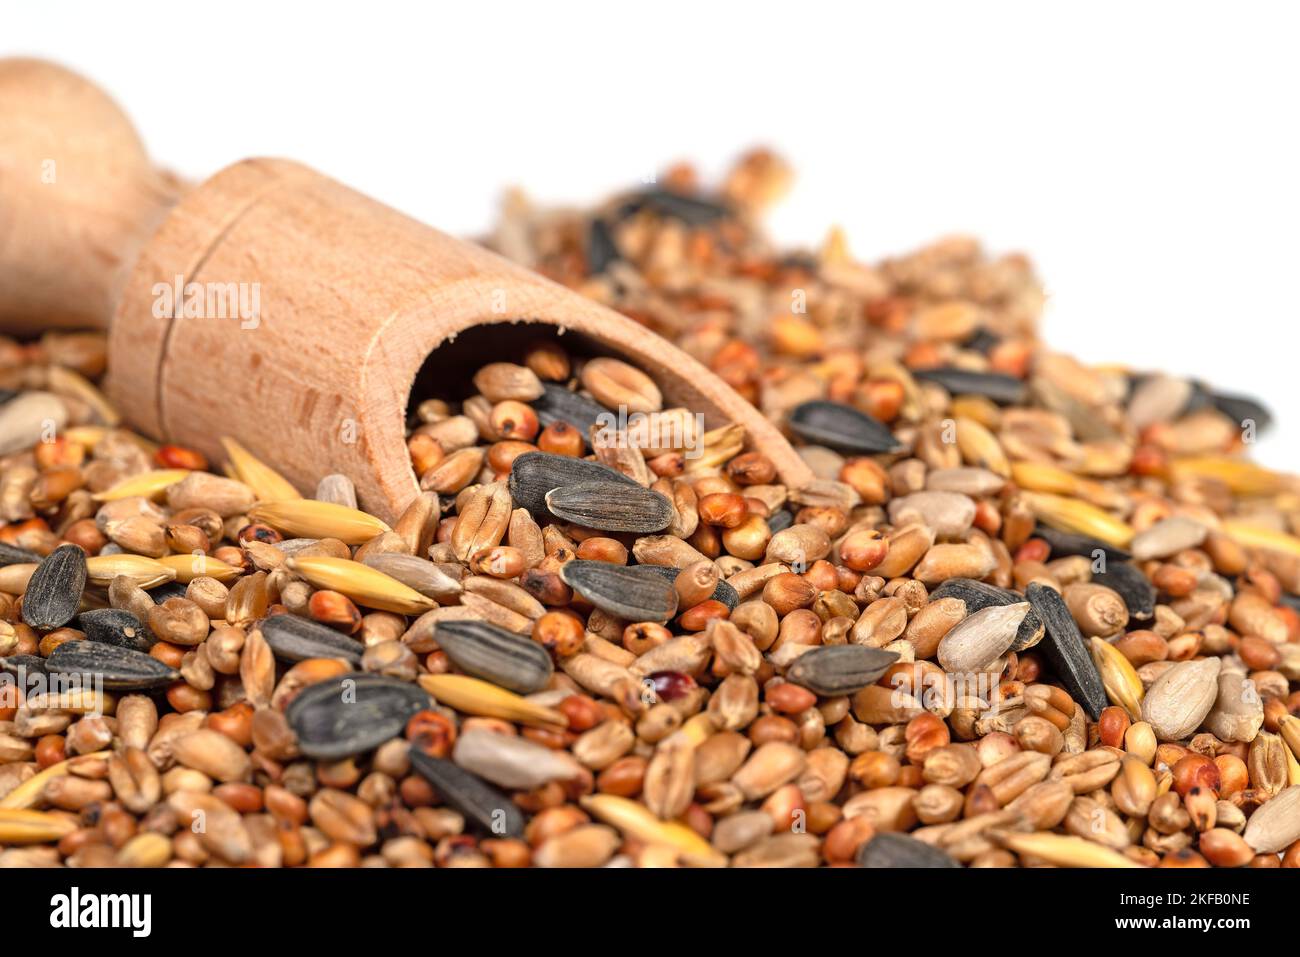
1144, 154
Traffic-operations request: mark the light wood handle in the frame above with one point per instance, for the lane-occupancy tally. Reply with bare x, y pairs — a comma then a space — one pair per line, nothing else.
78, 199
316, 309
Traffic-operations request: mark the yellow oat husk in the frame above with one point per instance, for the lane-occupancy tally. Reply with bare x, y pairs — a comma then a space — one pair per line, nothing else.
189, 567
1077, 516
1044, 477
305, 518
267, 484
33, 827
1123, 686
1241, 476
1260, 536
363, 584
637, 821
980, 447
485, 699
63, 381
1066, 851
144, 485
30, 791
85, 435
1288, 726
145, 572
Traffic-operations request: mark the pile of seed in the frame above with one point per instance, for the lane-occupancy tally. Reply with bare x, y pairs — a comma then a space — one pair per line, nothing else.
1030, 613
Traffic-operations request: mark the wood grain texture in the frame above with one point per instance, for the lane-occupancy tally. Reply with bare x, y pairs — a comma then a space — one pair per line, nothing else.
78, 199
354, 296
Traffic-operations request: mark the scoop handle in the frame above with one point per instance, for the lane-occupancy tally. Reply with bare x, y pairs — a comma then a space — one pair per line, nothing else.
79, 198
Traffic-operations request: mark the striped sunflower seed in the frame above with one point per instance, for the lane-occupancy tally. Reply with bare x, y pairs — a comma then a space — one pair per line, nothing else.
490, 809
9, 555
888, 849
558, 404
1072, 543
1002, 389
841, 427
724, 592
120, 669
534, 474
1064, 648
305, 518
53, 592
625, 592
978, 595
485, 651
292, 638
611, 507
1127, 581
831, 670
116, 626
352, 714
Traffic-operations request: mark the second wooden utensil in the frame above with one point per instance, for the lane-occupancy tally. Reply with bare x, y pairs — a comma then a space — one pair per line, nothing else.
305, 311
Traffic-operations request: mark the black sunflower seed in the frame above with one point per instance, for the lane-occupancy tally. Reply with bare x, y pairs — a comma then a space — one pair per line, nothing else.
631, 593
982, 341
559, 404
54, 591
490, 809
780, 520
120, 669
841, 427
1064, 649
994, 386
9, 555
833, 670
533, 474
167, 590
1068, 543
116, 626
352, 714
611, 507
1241, 409
978, 595
601, 247
724, 593
292, 638
31, 664
502, 657
691, 210
1129, 583
899, 850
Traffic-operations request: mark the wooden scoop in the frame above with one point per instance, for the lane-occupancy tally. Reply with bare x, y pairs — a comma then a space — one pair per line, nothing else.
317, 306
